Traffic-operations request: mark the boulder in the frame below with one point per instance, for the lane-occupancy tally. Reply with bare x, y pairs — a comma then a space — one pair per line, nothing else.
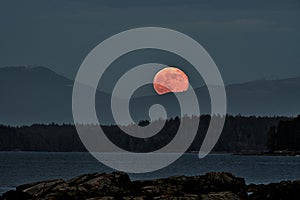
41, 188
117, 185
85, 186
220, 196
195, 185
285, 190
12, 194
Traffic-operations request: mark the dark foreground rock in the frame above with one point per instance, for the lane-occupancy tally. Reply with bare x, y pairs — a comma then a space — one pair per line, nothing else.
211, 186
285, 190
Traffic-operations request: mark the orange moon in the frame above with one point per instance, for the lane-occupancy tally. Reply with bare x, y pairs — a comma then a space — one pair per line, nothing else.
170, 79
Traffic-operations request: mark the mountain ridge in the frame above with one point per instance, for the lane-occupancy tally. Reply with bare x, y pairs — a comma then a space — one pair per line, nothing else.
37, 94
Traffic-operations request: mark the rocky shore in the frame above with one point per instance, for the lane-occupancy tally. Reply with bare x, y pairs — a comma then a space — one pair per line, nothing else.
117, 185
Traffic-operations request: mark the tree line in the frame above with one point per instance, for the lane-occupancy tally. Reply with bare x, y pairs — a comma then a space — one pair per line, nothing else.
285, 136
240, 134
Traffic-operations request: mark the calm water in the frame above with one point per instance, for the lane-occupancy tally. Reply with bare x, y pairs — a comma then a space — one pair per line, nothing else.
24, 167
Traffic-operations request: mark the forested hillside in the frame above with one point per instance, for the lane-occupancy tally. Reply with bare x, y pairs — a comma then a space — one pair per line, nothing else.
240, 134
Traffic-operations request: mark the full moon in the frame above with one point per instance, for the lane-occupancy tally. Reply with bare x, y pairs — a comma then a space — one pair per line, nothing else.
170, 79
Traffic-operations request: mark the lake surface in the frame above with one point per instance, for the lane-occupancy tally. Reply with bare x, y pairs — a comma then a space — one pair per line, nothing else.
24, 167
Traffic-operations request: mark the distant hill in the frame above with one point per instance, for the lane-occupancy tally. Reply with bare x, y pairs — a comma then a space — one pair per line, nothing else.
260, 98
38, 95
265, 97
34, 95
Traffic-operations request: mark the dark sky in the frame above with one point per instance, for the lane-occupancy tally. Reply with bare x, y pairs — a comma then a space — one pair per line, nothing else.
248, 40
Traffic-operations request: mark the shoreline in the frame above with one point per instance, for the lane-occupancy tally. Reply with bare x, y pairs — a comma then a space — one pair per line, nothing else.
269, 153
118, 185
250, 153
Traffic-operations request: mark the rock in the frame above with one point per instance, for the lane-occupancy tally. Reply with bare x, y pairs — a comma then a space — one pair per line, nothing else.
285, 190
15, 195
253, 188
41, 188
87, 186
221, 181
183, 197
196, 185
220, 196
99, 184
117, 185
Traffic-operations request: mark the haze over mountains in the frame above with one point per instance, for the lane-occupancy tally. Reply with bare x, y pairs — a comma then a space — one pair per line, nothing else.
38, 95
